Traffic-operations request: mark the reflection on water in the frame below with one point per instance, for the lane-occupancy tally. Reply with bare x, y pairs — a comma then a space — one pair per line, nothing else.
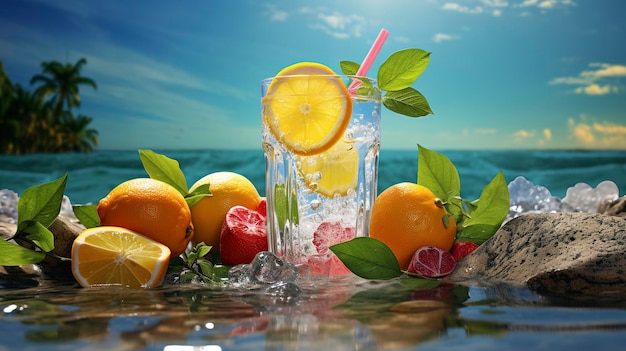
403, 314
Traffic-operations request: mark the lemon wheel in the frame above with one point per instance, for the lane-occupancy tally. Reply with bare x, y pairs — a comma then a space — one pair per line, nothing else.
307, 108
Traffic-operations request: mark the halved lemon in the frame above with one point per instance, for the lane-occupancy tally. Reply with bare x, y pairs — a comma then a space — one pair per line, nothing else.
117, 256
307, 108
333, 172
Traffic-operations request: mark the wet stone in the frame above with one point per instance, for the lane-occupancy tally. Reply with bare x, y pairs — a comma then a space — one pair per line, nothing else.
552, 253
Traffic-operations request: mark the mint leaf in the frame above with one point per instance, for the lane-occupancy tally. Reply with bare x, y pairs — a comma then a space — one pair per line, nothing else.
87, 215
15, 255
165, 169
41, 203
408, 102
402, 68
349, 68
368, 258
437, 173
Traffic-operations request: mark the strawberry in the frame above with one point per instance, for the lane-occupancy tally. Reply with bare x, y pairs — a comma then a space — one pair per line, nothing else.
262, 208
326, 235
243, 235
431, 262
462, 249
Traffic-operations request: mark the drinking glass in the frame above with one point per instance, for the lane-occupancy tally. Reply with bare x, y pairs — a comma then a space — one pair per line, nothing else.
318, 200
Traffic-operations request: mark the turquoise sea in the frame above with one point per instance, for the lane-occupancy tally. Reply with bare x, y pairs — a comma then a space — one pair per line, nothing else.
93, 175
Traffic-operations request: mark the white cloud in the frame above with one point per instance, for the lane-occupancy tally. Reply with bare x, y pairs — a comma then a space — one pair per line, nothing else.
453, 6
604, 79
334, 23
546, 4
439, 37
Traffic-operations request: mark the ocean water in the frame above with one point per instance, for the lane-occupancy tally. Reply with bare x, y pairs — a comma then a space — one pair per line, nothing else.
93, 175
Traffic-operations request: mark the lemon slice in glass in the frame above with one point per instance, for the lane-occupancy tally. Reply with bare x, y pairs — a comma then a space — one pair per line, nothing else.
307, 108
333, 172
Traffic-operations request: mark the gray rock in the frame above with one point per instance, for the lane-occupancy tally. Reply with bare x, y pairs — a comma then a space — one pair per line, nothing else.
614, 208
552, 253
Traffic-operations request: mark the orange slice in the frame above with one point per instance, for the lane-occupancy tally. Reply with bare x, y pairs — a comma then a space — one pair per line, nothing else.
307, 108
116, 256
333, 172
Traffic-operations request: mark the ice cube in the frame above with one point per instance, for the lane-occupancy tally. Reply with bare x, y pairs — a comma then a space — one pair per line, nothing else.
584, 198
528, 197
268, 268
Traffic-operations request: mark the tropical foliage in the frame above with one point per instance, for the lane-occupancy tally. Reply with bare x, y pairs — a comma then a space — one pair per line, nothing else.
43, 121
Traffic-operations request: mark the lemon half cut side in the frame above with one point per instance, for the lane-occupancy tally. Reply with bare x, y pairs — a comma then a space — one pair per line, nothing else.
111, 255
307, 108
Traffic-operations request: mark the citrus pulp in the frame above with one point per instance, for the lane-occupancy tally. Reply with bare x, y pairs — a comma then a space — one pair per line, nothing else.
117, 256
152, 208
307, 108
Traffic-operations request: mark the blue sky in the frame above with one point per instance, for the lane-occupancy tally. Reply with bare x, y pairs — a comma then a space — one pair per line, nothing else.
518, 74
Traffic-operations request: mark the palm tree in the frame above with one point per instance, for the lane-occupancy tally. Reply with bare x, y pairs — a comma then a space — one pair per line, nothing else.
76, 136
61, 82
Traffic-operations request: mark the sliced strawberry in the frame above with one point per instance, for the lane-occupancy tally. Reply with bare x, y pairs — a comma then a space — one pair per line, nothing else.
462, 249
243, 235
326, 235
432, 262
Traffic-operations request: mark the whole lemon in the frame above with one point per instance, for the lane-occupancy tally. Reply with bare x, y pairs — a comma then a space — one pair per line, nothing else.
152, 208
228, 189
407, 216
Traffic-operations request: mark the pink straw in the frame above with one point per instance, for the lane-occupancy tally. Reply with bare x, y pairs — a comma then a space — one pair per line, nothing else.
369, 59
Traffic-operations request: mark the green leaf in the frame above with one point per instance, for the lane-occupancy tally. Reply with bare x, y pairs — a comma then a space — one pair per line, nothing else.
437, 173
402, 68
206, 267
282, 206
490, 211
15, 255
165, 169
87, 215
41, 203
38, 234
197, 194
477, 233
203, 249
220, 271
408, 102
349, 68
368, 258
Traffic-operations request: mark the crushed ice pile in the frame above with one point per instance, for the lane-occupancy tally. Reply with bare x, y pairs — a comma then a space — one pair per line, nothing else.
528, 197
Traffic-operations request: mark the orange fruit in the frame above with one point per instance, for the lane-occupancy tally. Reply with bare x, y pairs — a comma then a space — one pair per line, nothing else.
118, 256
407, 216
331, 172
307, 108
152, 208
228, 189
